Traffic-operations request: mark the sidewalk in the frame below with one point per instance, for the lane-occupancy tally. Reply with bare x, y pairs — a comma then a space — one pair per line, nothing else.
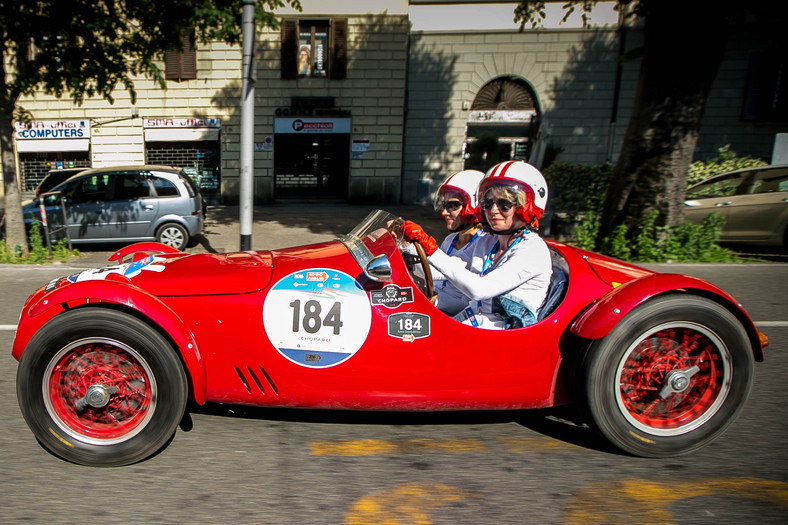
279, 225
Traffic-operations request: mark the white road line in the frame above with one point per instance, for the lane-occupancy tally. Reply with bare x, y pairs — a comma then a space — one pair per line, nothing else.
8, 327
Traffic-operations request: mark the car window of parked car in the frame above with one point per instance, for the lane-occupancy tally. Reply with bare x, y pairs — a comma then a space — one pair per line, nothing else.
129, 186
164, 188
718, 187
769, 181
88, 189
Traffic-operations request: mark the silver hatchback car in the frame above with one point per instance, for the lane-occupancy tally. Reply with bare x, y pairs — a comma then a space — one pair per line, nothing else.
125, 203
753, 201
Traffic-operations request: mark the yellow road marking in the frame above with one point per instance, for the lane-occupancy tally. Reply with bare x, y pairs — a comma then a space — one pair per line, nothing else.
409, 503
613, 502
373, 447
602, 503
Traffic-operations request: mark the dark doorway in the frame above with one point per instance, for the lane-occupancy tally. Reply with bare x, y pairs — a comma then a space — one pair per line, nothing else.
311, 165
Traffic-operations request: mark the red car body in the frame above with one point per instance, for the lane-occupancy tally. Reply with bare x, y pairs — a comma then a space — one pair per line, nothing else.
309, 327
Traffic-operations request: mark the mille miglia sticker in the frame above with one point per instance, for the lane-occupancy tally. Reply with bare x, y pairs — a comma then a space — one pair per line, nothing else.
409, 326
391, 296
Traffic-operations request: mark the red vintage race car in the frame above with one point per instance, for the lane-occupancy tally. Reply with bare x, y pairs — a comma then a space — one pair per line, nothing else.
108, 358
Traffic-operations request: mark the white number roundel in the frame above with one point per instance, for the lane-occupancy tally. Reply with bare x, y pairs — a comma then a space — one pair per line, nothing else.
317, 317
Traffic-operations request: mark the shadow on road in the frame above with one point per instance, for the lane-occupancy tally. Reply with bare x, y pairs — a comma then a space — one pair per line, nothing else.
559, 423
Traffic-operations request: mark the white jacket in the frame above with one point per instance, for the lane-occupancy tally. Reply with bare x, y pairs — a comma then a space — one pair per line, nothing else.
522, 272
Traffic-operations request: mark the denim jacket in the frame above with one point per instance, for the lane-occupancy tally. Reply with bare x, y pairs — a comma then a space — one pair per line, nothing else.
513, 311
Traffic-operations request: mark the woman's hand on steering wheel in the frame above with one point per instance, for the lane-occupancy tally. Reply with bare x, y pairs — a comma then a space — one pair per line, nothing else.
415, 233
425, 246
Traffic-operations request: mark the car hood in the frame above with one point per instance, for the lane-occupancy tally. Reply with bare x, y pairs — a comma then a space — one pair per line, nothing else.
189, 274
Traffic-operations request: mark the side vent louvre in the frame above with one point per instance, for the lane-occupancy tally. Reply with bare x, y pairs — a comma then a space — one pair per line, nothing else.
243, 379
268, 378
254, 377
256, 381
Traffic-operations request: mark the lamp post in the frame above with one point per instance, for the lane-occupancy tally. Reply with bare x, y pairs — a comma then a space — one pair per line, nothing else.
247, 125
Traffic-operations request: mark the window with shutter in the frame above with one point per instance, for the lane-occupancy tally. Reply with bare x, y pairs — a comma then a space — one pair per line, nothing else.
314, 48
338, 48
289, 48
182, 65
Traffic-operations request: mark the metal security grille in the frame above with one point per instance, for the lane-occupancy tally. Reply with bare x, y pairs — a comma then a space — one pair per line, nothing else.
200, 160
35, 166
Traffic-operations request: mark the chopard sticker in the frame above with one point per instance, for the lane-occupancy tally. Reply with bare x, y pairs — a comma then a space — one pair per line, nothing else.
317, 318
409, 326
391, 296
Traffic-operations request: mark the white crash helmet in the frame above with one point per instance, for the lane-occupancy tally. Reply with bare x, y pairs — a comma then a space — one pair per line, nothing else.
464, 183
520, 175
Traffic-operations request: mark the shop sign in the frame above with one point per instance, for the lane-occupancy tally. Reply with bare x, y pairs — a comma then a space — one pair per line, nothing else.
52, 129
501, 116
312, 125
180, 123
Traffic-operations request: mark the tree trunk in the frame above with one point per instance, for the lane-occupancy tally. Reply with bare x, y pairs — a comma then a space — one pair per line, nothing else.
683, 48
14, 221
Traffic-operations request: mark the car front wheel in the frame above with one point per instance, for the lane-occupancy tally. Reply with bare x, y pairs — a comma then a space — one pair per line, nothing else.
669, 378
100, 387
173, 234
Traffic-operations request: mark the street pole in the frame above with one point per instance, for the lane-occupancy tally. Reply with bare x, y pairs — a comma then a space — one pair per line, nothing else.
247, 125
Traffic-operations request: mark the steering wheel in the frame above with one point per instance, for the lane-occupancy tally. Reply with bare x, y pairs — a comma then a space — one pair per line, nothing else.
425, 284
412, 262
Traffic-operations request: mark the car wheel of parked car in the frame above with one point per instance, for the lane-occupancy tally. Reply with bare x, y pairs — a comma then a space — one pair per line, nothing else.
173, 234
100, 387
669, 378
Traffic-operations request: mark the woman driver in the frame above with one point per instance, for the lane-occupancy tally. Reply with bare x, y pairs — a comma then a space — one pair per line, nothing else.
455, 200
510, 269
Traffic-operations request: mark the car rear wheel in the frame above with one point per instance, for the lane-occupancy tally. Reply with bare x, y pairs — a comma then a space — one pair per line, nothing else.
101, 388
669, 378
173, 234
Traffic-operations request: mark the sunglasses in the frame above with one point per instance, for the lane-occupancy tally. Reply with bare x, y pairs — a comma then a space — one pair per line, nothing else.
503, 204
452, 205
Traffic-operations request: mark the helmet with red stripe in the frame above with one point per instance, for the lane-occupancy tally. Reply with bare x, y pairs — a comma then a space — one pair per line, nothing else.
519, 176
463, 183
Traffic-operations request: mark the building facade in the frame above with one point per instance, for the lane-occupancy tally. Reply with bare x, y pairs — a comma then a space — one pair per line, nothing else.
380, 100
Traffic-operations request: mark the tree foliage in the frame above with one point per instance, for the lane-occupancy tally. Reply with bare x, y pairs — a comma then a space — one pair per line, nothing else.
683, 46
86, 48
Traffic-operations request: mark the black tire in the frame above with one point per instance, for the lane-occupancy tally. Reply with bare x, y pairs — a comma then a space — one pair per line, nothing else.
173, 234
101, 388
669, 378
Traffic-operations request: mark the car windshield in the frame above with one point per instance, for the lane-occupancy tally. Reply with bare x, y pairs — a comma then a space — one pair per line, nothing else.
373, 236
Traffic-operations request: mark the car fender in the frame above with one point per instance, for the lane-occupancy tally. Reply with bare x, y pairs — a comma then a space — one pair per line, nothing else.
598, 319
129, 297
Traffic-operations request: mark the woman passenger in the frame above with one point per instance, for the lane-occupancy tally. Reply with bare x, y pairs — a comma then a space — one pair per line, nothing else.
510, 268
455, 200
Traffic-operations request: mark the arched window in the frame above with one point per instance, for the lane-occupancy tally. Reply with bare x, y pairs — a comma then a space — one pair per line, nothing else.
502, 123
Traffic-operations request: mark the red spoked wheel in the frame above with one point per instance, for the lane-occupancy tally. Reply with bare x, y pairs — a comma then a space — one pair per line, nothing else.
101, 387
673, 379
669, 378
100, 391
